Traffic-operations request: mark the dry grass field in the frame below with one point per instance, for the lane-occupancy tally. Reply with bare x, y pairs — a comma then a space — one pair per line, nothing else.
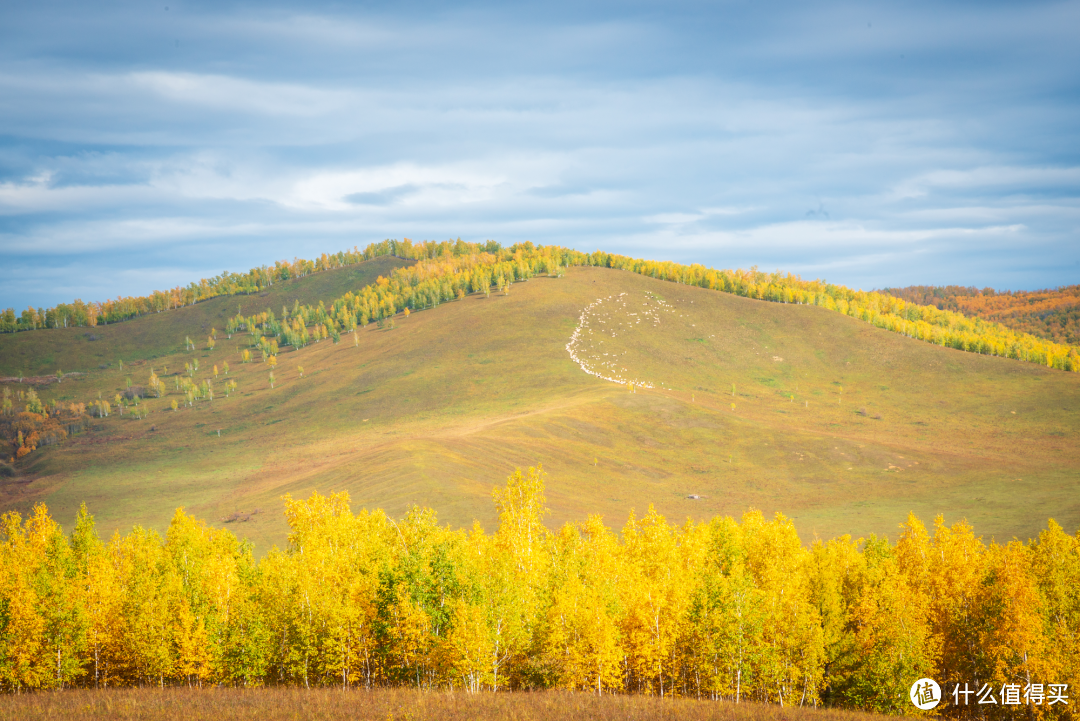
840, 425
181, 704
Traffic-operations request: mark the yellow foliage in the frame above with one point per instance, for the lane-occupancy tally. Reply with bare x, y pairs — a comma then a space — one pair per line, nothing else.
722, 609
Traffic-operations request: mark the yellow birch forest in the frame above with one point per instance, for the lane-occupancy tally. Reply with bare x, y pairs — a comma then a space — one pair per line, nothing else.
725, 609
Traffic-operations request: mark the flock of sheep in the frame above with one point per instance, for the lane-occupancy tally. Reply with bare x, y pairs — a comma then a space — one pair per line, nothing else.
599, 319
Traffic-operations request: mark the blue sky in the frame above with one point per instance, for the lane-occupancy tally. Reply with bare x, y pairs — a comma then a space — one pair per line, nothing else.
146, 145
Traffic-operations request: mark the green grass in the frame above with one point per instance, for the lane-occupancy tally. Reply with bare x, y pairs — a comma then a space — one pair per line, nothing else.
441, 408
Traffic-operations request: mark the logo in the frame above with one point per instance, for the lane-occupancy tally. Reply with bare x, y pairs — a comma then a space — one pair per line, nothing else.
925, 694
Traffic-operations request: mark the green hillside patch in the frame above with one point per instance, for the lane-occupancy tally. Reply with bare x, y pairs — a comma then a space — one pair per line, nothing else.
157, 337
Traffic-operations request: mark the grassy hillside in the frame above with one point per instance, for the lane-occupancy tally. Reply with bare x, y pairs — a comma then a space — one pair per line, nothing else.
43, 352
841, 425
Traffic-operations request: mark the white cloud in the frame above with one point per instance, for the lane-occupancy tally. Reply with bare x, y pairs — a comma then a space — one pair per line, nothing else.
708, 133
38, 196
734, 210
673, 218
704, 213
429, 185
1014, 178
837, 237
1067, 212
237, 94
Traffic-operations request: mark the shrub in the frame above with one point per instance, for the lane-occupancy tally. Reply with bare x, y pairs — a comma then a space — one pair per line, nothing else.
135, 392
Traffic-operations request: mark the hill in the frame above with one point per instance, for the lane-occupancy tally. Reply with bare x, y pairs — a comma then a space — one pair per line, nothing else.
1050, 314
43, 352
840, 424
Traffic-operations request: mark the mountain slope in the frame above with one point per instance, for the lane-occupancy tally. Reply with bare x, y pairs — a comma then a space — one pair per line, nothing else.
1050, 314
844, 426
43, 352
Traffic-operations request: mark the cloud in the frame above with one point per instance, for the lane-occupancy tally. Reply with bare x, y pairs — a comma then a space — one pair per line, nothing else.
839, 237
383, 196
702, 214
1013, 179
235, 94
794, 138
408, 183
674, 218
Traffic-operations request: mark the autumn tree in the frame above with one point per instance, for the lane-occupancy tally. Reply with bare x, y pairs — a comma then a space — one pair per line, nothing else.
579, 634
45, 619
156, 386
720, 609
887, 640
723, 637
1055, 568
33, 403
790, 667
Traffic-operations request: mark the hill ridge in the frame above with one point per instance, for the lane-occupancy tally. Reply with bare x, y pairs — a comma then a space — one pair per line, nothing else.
473, 267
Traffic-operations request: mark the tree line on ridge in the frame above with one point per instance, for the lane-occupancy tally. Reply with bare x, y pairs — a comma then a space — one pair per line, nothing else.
1051, 314
445, 271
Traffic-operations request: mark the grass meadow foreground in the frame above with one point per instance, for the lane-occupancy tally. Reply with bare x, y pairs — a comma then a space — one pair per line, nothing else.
270, 704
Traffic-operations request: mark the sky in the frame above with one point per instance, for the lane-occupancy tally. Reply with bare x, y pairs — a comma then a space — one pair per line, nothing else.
145, 145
